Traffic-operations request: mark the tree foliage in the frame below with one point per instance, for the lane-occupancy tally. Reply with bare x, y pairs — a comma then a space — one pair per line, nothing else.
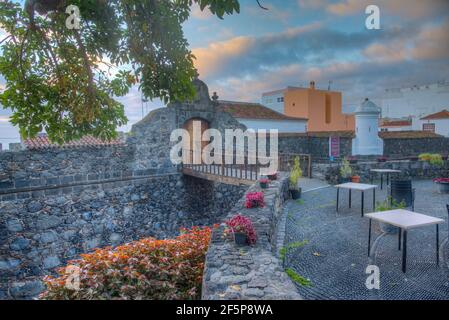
66, 81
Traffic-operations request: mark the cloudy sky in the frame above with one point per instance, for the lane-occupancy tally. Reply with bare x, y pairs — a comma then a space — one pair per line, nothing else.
297, 41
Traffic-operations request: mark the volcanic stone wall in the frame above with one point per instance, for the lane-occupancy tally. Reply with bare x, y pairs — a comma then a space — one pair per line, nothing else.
41, 233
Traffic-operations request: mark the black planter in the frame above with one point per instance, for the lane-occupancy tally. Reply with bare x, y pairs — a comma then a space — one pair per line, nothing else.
240, 239
402, 191
342, 180
264, 185
273, 177
296, 193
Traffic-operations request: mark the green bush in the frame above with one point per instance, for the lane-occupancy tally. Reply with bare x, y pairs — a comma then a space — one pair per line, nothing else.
295, 174
433, 159
389, 204
345, 169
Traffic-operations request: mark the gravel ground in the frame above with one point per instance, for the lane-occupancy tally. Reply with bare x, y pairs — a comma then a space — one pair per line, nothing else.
335, 258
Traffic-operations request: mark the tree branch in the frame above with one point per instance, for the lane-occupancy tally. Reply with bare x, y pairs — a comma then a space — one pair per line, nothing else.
258, 2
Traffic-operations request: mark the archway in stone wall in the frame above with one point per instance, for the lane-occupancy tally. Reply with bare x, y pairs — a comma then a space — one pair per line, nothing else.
196, 139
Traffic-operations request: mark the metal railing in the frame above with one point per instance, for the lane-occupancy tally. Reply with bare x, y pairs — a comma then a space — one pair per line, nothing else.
246, 167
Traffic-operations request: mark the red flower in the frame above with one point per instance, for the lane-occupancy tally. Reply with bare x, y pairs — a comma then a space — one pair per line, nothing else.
441, 180
242, 224
255, 200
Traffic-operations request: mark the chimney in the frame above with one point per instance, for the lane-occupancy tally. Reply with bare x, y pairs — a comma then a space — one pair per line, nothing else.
312, 85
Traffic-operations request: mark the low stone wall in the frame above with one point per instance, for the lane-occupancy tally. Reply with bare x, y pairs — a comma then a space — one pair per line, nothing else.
409, 170
318, 147
250, 273
40, 233
414, 147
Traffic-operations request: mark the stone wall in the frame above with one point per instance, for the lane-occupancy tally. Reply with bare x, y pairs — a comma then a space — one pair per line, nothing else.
250, 273
316, 146
41, 233
34, 170
414, 147
410, 170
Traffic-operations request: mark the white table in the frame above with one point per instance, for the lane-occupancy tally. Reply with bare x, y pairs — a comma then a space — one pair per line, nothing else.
405, 220
388, 172
359, 187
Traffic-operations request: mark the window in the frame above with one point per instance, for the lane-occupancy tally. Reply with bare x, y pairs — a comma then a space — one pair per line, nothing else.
328, 111
428, 127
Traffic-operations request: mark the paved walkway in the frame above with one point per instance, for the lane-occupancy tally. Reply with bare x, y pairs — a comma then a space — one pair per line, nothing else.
335, 258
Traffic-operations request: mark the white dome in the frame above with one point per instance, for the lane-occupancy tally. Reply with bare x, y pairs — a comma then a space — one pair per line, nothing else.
368, 107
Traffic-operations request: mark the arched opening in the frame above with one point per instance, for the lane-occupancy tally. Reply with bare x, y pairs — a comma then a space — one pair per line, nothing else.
196, 128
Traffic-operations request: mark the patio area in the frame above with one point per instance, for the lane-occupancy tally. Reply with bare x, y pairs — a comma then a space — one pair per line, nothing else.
335, 256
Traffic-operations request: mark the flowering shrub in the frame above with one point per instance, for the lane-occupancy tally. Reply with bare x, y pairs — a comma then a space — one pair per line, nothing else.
264, 181
147, 269
241, 224
441, 180
255, 200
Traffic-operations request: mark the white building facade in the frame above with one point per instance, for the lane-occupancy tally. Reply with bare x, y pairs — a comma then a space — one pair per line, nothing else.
274, 100
437, 123
283, 126
416, 101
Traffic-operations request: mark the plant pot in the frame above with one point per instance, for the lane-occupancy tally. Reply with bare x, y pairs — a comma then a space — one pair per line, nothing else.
355, 179
264, 185
443, 187
296, 193
388, 228
273, 177
240, 239
344, 180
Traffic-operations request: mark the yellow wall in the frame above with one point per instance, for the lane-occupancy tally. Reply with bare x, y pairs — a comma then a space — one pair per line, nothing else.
311, 103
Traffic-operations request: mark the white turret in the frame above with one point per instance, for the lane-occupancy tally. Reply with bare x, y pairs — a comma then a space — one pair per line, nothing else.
367, 141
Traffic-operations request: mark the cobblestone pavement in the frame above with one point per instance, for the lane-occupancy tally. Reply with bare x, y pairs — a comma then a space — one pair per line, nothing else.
335, 258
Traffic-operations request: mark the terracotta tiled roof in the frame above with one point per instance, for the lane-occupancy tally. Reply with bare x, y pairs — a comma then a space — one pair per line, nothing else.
248, 110
396, 123
43, 142
408, 135
439, 115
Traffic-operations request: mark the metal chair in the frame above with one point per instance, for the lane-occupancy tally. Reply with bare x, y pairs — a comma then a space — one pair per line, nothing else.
402, 190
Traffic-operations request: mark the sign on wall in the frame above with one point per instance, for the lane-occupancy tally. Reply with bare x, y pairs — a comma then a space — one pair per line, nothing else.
334, 147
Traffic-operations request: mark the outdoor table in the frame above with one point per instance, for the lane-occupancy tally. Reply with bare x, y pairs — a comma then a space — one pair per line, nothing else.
360, 187
405, 220
388, 172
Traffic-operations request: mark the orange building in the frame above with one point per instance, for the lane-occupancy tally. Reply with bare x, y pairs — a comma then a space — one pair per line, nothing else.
323, 108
